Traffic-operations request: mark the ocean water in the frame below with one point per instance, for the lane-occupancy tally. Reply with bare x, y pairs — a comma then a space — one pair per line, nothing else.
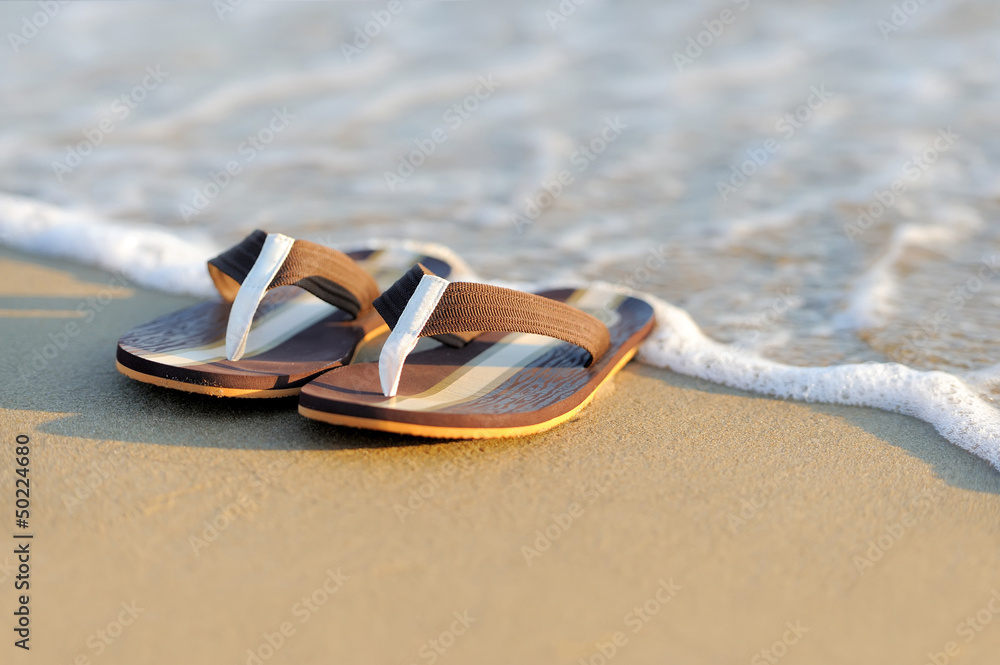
808, 191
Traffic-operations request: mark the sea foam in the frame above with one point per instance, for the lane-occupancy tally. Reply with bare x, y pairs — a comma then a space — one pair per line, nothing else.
166, 260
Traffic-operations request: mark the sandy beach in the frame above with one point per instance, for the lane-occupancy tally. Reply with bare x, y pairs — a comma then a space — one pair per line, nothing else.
806, 192
673, 521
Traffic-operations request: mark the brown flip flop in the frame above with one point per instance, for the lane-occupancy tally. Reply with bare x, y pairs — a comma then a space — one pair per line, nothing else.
291, 310
538, 360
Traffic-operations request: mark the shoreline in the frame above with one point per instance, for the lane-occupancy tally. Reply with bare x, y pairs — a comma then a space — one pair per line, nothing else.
864, 529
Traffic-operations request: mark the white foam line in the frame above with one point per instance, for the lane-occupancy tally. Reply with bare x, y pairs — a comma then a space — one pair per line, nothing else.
869, 302
946, 402
147, 255
460, 270
942, 400
161, 259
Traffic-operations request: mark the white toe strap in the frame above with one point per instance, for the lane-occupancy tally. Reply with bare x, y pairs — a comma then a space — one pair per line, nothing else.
272, 256
404, 336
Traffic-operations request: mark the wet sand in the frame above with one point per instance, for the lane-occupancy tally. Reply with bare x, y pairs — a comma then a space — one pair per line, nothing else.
673, 521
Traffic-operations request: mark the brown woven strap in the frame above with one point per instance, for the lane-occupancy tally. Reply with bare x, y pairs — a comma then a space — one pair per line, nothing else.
328, 274
468, 306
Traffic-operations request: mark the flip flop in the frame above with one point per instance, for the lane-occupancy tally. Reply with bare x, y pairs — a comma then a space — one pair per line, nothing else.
291, 310
540, 360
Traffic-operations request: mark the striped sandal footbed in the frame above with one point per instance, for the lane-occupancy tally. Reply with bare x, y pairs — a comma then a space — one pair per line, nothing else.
295, 336
499, 384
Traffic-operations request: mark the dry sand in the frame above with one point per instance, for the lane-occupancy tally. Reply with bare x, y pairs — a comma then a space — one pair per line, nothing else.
759, 512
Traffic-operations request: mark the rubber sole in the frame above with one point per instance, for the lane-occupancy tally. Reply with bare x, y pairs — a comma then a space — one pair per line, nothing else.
438, 432
214, 391
244, 393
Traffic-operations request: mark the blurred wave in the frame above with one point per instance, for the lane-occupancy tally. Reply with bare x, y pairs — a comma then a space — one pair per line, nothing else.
813, 183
